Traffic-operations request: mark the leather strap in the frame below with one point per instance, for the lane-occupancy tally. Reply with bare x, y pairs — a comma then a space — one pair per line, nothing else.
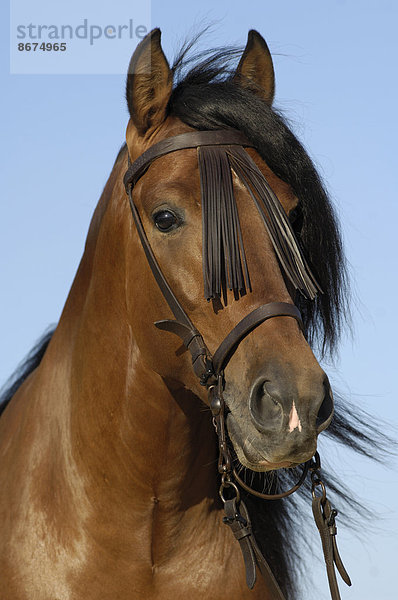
237, 518
192, 139
166, 290
193, 340
279, 496
325, 521
228, 346
183, 325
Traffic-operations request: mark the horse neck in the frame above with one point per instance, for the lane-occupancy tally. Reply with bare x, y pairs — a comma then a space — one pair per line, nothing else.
131, 436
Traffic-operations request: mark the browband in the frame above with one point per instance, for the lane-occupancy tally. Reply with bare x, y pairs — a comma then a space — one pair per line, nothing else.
191, 139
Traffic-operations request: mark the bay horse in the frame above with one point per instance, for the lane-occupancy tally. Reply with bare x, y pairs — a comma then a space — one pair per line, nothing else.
109, 480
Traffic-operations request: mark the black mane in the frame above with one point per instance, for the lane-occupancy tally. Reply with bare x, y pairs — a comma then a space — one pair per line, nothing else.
27, 366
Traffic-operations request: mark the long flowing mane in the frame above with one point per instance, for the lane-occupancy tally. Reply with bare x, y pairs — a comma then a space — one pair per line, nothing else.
205, 97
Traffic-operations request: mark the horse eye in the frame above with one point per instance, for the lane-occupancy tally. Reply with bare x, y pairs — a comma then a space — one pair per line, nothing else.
165, 220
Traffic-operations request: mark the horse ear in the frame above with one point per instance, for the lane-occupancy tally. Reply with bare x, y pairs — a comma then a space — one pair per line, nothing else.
149, 83
255, 70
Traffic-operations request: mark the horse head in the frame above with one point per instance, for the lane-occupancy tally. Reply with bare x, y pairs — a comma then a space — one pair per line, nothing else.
277, 396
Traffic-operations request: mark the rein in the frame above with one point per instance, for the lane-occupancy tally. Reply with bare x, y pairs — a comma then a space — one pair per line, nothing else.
224, 265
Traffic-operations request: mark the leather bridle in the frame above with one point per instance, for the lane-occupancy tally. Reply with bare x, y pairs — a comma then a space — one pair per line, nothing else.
207, 368
210, 368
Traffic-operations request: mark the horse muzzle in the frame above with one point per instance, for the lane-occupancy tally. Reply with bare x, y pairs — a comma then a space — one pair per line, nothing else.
274, 408
277, 425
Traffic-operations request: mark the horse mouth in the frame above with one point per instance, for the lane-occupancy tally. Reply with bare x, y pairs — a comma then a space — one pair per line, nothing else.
252, 457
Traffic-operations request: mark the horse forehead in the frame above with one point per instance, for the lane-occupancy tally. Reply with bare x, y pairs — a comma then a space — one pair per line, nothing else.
172, 176
178, 166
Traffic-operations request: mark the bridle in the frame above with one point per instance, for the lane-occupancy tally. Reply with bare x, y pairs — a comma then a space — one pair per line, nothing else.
210, 368
206, 367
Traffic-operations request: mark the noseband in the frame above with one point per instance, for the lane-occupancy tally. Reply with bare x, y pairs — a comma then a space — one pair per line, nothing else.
226, 147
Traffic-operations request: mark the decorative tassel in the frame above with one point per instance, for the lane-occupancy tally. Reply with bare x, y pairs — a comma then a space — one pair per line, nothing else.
224, 259
276, 222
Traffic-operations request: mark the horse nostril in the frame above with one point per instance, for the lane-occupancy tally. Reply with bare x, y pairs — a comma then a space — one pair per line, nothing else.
265, 410
325, 412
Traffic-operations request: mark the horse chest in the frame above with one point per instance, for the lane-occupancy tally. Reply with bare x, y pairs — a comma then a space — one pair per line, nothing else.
200, 560
196, 572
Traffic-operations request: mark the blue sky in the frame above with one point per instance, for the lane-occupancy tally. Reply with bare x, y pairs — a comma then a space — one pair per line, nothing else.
335, 65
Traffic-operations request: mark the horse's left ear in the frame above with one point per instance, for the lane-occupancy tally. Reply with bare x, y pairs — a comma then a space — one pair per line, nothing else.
255, 70
149, 83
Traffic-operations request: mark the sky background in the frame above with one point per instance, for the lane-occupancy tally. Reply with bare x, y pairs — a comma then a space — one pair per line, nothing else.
336, 77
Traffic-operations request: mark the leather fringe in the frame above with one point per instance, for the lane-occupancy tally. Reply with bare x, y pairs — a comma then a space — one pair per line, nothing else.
224, 259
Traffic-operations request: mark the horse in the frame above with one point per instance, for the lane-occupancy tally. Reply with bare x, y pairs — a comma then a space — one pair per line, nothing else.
113, 479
